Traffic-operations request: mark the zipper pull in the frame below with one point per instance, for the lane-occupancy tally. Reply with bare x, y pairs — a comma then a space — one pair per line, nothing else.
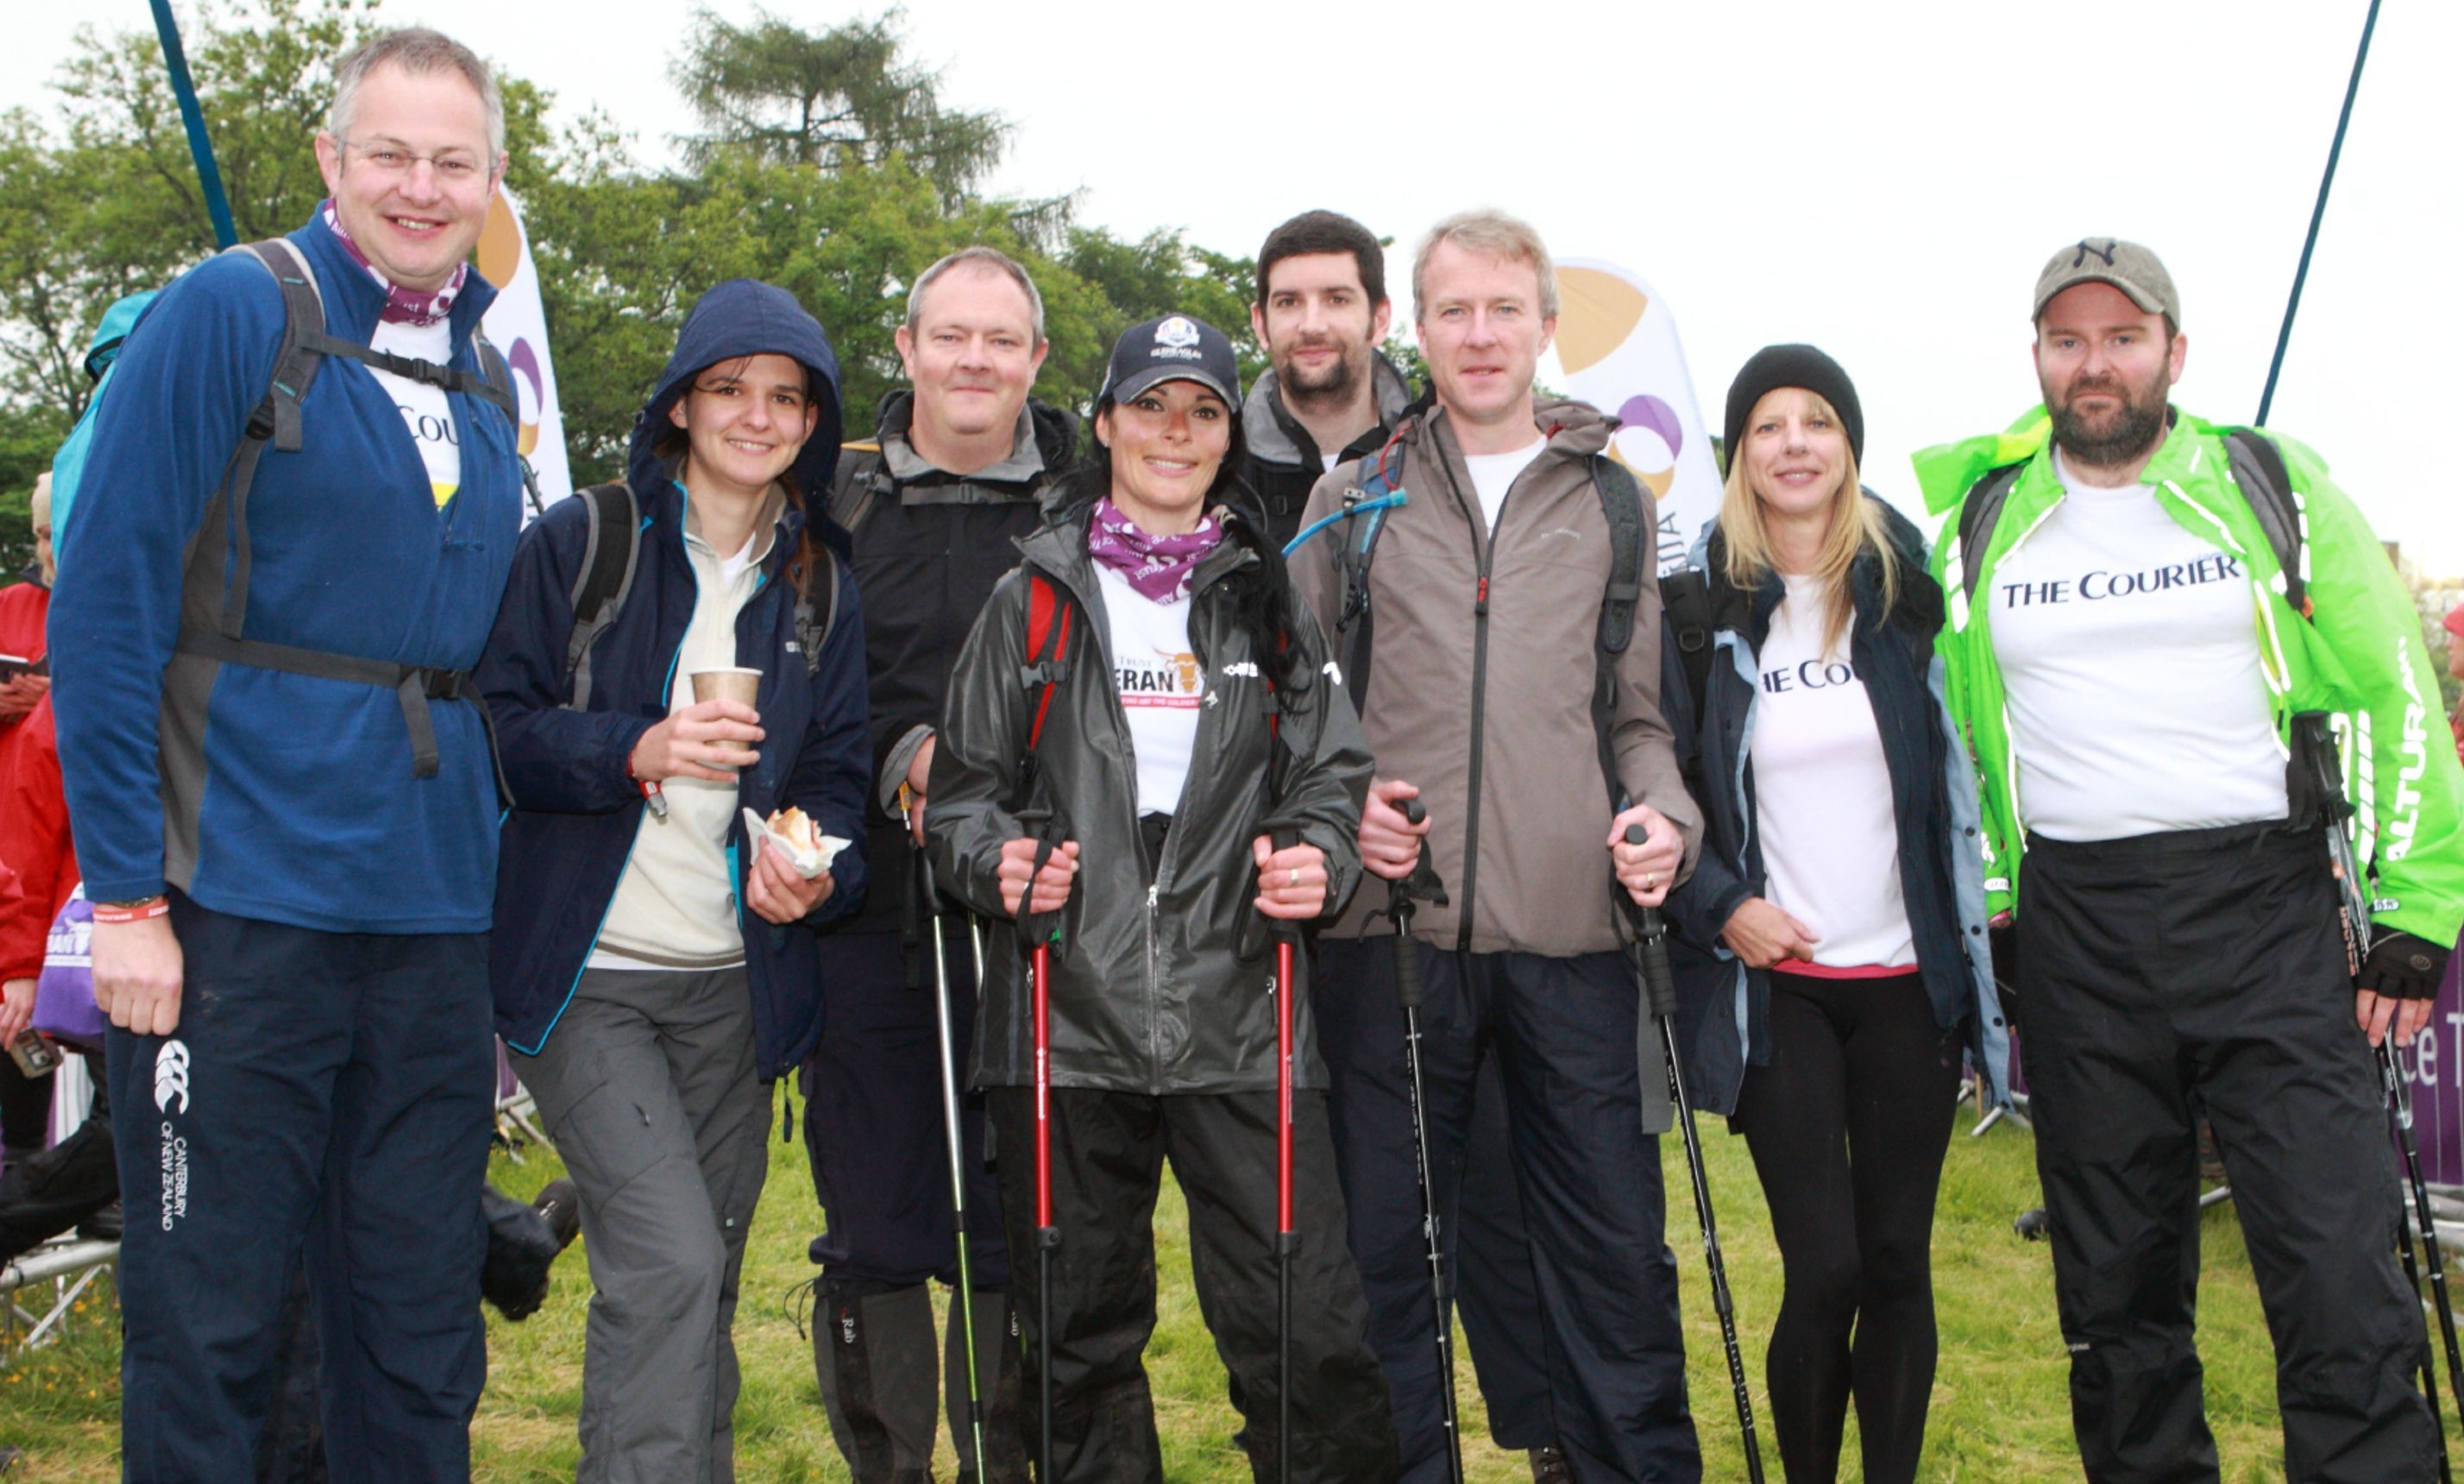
1480, 603
1152, 888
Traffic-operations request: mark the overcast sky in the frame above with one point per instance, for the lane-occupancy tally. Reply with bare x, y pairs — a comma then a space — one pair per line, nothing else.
1882, 179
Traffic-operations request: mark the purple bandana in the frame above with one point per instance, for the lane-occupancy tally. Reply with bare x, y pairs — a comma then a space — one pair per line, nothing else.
403, 306
1158, 566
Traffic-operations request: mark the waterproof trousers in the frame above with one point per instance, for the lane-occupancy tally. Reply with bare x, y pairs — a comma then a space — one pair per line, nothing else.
1496, 1296
1563, 1034
2204, 970
327, 1093
1109, 1151
647, 1086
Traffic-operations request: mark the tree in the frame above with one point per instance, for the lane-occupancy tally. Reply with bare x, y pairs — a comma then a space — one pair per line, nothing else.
833, 99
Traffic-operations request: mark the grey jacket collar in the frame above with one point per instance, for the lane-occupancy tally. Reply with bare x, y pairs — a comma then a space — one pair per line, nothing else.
1274, 436
1024, 462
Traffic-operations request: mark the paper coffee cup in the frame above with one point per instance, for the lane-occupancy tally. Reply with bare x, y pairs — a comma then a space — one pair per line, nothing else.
734, 683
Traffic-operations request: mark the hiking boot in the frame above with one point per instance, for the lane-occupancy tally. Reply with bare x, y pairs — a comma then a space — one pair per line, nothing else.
561, 1204
1549, 1466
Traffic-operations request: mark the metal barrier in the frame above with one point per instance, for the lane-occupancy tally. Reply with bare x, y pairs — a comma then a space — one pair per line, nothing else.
70, 1267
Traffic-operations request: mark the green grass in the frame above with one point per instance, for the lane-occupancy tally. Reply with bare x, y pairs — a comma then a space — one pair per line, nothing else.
2000, 1407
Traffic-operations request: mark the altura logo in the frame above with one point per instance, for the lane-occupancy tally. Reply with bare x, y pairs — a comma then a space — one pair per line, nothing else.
171, 1076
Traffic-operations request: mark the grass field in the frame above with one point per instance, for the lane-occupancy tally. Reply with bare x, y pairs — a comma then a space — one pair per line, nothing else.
2000, 1409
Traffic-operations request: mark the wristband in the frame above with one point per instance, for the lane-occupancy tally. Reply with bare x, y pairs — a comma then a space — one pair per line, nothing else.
117, 912
651, 794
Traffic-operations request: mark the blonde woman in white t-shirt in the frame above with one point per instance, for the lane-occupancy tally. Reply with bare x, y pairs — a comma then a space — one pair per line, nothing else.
1832, 958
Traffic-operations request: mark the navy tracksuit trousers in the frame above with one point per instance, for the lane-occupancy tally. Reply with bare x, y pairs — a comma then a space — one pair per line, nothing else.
327, 1093
1562, 1032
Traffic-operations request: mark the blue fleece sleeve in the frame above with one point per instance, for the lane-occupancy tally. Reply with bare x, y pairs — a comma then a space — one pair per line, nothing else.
556, 760
181, 394
834, 767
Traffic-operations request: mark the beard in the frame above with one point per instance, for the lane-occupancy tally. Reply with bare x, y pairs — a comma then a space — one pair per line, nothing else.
2104, 440
1332, 384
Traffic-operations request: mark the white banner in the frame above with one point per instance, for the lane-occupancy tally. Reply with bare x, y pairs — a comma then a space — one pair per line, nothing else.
516, 325
1616, 343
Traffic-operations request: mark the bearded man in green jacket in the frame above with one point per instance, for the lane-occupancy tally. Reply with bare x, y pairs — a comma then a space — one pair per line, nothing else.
2127, 659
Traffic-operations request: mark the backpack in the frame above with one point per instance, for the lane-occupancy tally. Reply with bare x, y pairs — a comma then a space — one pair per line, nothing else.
68, 465
609, 563
222, 536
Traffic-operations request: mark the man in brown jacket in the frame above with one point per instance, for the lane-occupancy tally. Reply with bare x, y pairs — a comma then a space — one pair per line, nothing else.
1476, 683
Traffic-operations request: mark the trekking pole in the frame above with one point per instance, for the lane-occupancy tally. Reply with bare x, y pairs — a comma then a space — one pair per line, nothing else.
2428, 1371
1423, 882
1659, 986
1047, 1236
931, 912
1287, 1240
2400, 1113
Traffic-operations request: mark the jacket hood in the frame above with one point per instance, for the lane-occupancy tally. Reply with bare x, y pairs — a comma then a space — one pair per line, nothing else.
1270, 428
1948, 471
744, 317
1570, 426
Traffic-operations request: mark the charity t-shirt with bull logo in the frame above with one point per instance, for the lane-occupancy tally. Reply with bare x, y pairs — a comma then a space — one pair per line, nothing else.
1161, 686
2129, 652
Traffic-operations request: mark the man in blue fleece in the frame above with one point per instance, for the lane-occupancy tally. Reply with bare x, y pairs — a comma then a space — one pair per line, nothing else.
283, 796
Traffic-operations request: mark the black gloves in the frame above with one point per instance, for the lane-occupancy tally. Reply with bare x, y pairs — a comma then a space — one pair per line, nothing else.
2403, 967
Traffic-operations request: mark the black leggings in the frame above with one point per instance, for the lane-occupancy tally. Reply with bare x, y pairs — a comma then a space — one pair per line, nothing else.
1848, 1125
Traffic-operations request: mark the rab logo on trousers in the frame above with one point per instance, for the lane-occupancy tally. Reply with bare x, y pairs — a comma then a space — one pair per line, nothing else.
171, 1081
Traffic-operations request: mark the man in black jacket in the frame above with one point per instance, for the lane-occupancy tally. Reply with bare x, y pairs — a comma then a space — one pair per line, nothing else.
1321, 313
933, 505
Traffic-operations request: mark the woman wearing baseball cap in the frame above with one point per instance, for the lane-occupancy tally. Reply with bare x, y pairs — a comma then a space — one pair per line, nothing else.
1141, 706
1831, 941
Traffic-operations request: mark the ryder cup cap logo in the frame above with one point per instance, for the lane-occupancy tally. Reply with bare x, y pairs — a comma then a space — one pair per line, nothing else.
1177, 338
172, 1077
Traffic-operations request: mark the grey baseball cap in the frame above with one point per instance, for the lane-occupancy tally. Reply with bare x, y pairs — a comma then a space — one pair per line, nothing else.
2126, 265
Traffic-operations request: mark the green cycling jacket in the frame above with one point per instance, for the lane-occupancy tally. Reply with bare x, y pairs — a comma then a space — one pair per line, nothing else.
2357, 656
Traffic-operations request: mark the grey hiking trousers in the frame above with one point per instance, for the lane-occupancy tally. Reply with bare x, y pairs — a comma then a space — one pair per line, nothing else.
647, 1085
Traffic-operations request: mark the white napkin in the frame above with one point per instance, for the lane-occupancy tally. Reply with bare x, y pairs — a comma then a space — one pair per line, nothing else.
810, 864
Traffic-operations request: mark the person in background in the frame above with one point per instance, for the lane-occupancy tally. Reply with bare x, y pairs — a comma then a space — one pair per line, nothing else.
26, 1103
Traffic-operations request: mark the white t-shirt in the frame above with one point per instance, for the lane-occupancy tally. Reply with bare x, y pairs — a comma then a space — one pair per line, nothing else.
2129, 652
1492, 475
425, 412
1162, 687
675, 904
1331, 459
1822, 793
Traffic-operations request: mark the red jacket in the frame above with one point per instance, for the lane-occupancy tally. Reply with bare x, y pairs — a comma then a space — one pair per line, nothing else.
33, 841
23, 608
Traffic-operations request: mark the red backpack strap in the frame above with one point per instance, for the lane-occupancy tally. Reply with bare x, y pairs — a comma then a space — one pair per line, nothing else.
1041, 674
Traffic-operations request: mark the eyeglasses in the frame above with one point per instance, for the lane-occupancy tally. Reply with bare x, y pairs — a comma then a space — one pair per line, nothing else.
453, 166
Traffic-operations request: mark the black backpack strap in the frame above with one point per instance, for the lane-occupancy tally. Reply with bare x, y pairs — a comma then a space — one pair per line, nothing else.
860, 483
1050, 617
610, 553
1625, 512
1978, 514
1686, 613
1622, 505
2258, 471
1354, 626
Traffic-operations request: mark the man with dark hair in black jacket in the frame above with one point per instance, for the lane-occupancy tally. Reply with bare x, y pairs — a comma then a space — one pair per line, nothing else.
954, 474
1320, 313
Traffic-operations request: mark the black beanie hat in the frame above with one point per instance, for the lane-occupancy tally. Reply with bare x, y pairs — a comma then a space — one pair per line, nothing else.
1774, 366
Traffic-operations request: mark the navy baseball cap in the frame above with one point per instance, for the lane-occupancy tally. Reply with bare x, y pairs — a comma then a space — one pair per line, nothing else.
1174, 348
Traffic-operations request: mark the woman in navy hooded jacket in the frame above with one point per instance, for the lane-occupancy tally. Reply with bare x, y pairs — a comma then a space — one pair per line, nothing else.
652, 968
1831, 951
